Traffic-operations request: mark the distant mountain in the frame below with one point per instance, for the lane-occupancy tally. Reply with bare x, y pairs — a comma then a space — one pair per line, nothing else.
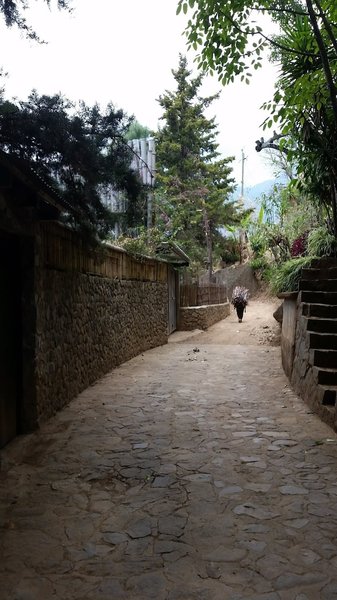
256, 191
253, 194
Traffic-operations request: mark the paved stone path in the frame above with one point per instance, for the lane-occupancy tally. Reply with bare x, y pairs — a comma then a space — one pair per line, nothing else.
189, 473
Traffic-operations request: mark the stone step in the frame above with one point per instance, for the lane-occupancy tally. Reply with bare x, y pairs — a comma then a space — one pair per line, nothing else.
326, 377
323, 341
324, 358
318, 285
321, 325
324, 311
328, 395
323, 263
323, 273
318, 297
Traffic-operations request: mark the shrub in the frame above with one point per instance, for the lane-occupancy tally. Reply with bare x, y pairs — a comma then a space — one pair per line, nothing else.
259, 263
299, 246
258, 243
321, 242
286, 277
230, 250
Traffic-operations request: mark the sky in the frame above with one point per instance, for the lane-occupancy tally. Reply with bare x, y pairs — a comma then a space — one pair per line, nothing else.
124, 52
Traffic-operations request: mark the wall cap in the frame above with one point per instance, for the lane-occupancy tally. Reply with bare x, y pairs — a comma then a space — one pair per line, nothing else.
288, 295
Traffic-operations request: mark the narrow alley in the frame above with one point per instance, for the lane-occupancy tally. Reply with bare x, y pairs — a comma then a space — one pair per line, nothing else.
191, 472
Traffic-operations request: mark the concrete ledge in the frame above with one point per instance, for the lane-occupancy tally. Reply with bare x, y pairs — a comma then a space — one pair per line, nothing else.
201, 317
288, 295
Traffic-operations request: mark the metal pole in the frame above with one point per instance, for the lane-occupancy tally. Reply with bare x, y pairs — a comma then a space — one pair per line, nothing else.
241, 231
243, 158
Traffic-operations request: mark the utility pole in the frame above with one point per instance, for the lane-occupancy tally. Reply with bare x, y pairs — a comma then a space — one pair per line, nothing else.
242, 233
243, 158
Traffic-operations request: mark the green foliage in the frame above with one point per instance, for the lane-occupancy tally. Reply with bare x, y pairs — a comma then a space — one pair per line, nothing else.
80, 151
136, 131
259, 263
286, 277
144, 243
300, 218
229, 250
287, 215
305, 100
271, 237
194, 183
272, 243
305, 106
321, 242
258, 240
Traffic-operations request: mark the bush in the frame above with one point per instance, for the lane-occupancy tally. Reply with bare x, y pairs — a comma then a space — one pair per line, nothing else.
258, 243
230, 250
321, 243
259, 263
299, 246
144, 243
286, 277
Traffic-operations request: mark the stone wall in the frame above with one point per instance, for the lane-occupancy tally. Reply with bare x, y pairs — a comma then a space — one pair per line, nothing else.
297, 358
289, 320
94, 309
201, 317
87, 325
242, 275
304, 377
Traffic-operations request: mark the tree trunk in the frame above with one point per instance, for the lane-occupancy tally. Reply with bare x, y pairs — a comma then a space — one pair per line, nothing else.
334, 206
209, 246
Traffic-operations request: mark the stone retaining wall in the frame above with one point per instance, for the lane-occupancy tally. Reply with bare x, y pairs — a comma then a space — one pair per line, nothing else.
201, 317
87, 325
289, 320
242, 275
304, 377
297, 358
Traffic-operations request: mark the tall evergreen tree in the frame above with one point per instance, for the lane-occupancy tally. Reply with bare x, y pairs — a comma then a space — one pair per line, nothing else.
194, 182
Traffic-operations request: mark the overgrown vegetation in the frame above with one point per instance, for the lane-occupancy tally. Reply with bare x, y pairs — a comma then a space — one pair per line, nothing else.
286, 277
301, 219
288, 234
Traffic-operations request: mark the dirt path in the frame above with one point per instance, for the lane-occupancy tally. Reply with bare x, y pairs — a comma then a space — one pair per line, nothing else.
257, 328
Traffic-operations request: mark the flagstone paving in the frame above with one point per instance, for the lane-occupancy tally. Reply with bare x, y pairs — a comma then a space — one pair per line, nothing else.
188, 473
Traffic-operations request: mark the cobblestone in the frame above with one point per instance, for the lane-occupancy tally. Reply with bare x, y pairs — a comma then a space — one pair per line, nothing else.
174, 480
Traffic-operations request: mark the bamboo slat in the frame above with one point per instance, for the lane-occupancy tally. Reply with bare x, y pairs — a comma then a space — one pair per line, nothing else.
63, 249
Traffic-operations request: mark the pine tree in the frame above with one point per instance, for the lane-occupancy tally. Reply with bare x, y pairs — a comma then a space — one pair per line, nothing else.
194, 182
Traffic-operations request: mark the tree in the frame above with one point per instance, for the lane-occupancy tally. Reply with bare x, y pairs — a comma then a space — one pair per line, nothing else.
12, 12
80, 151
137, 131
232, 42
305, 100
194, 183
